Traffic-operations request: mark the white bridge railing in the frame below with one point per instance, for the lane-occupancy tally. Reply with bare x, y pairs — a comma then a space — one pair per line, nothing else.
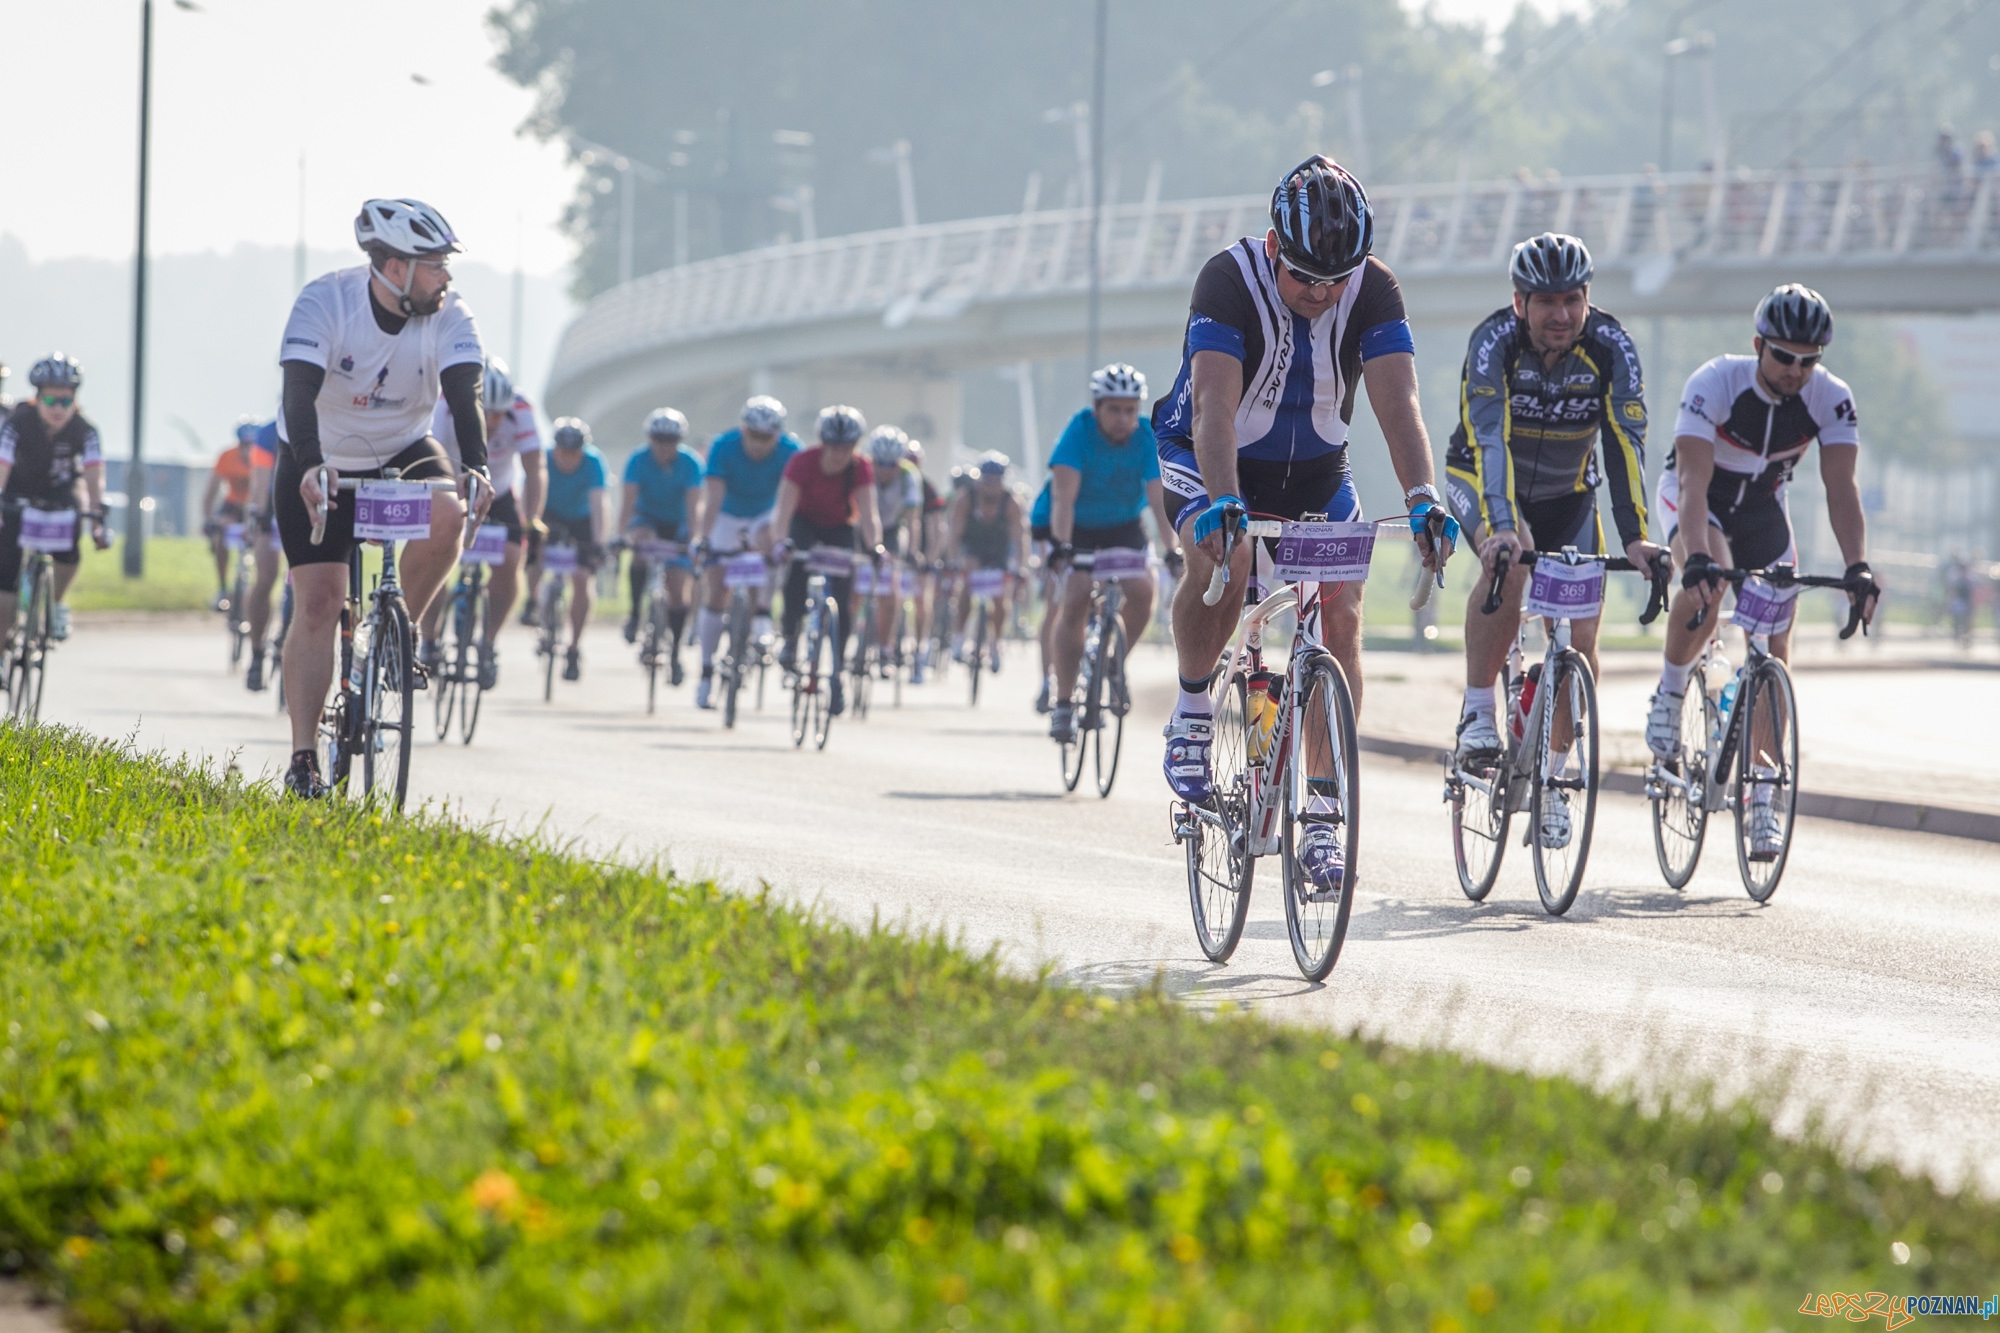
1850, 215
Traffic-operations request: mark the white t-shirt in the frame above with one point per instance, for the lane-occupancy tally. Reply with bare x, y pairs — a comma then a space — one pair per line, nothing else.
517, 435
379, 390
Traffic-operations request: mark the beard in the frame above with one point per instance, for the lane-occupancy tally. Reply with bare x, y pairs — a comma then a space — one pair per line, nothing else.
429, 307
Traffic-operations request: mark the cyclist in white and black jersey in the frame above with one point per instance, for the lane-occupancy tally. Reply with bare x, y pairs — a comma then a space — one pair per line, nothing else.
1744, 424
1281, 331
366, 354
518, 465
51, 459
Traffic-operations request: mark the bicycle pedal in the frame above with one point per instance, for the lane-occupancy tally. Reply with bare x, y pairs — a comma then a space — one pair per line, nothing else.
1183, 820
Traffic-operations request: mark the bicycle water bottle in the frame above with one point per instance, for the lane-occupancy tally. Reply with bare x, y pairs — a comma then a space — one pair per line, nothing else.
1728, 700
1526, 701
1263, 716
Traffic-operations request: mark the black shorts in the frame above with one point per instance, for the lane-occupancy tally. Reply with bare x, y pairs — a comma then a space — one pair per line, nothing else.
1568, 520
506, 511
1754, 514
1129, 535
11, 554
1040, 533
574, 532
423, 461
1278, 488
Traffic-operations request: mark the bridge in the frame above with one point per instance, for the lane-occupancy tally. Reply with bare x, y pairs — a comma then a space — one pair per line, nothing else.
889, 318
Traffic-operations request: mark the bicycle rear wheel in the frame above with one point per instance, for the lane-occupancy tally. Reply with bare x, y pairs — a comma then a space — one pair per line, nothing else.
549, 645
1082, 703
1109, 722
732, 674
975, 661
826, 670
28, 667
239, 628
1567, 775
1767, 764
1217, 838
471, 692
386, 708
445, 685
1680, 806
1321, 787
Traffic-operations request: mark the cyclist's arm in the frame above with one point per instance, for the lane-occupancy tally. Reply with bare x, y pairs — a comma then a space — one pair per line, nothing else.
781, 513
1843, 501
260, 488
93, 487
1392, 392
600, 513
1694, 461
1215, 385
460, 386
870, 517
1624, 435
628, 505
208, 495
534, 485
303, 381
691, 503
1064, 483
712, 492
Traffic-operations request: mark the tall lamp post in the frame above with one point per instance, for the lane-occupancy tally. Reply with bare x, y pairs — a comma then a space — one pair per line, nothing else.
135, 470
627, 168
1096, 185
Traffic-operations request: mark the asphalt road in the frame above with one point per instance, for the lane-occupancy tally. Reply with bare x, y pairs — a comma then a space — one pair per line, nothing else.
1866, 991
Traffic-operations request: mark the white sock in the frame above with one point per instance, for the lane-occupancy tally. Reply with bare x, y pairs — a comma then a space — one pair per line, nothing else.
1194, 703
1479, 699
1674, 679
708, 624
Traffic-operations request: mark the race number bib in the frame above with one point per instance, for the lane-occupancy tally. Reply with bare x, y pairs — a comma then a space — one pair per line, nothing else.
868, 583
1325, 552
830, 561
392, 511
657, 552
1762, 608
51, 531
746, 571
1120, 562
987, 582
1566, 592
232, 537
489, 546
559, 559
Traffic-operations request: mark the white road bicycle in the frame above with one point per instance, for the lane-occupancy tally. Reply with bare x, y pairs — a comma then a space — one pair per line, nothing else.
816, 668
1102, 696
1284, 752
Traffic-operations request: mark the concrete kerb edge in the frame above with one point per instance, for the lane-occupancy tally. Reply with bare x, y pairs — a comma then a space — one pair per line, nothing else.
1904, 815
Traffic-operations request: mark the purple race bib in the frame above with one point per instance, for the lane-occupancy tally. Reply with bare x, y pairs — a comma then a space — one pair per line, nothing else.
987, 582
559, 559
51, 531
746, 571
489, 546
1762, 608
1565, 592
392, 511
1325, 552
1120, 562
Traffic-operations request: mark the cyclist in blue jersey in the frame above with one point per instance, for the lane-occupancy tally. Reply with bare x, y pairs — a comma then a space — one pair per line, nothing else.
663, 493
1104, 474
740, 495
575, 513
1281, 331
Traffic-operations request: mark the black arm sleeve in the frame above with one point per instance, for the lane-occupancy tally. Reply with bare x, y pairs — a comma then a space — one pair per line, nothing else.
302, 384
461, 385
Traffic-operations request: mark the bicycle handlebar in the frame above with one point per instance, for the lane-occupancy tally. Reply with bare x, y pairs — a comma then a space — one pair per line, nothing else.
1785, 576
348, 484
1660, 576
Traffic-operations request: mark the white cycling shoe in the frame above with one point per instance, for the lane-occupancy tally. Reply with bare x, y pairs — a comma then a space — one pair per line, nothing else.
1478, 738
59, 622
1188, 739
1323, 857
701, 691
1554, 833
1766, 838
1663, 725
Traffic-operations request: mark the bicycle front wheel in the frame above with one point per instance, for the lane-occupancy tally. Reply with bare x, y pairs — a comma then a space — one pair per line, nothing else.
1768, 776
445, 685
826, 670
1082, 700
975, 661
471, 692
28, 665
1564, 803
1680, 787
732, 671
1322, 797
550, 643
1217, 835
387, 701
1108, 724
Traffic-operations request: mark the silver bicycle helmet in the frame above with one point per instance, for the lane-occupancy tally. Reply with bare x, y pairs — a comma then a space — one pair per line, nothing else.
841, 424
888, 446
1550, 262
56, 371
496, 387
764, 414
1325, 227
666, 423
571, 433
1796, 314
993, 463
1117, 380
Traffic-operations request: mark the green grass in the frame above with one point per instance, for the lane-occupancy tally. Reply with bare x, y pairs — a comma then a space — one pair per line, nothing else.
180, 576
278, 1066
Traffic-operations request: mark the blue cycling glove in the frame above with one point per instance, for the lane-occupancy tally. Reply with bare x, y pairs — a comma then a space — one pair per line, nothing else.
1226, 508
1418, 513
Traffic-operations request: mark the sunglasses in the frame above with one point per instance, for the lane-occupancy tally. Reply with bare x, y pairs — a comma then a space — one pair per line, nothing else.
1314, 284
58, 400
1784, 358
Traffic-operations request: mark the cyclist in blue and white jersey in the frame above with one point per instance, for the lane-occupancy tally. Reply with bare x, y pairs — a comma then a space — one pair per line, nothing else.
1103, 477
1281, 331
741, 493
1744, 424
663, 492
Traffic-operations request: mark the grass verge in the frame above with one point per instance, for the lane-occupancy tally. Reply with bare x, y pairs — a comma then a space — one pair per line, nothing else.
275, 1066
180, 576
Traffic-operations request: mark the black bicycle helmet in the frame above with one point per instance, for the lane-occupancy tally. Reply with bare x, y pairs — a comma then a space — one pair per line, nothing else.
56, 371
1321, 215
1796, 314
1550, 262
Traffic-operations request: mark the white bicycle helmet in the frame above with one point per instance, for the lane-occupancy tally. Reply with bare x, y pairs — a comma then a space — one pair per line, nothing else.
888, 446
841, 424
764, 414
666, 423
1117, 380
496, 387
571, 433
408, 227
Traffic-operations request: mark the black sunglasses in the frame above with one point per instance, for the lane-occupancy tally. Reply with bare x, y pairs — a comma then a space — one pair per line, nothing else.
1311, 283
1784, 358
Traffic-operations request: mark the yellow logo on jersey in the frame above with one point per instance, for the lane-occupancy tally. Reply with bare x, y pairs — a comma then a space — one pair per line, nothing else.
1484, 391
1635, 411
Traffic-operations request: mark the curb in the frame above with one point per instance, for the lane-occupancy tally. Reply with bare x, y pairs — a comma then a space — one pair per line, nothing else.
1904, 815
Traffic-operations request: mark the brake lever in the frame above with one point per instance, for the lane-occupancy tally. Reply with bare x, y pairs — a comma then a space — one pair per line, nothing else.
1494, 589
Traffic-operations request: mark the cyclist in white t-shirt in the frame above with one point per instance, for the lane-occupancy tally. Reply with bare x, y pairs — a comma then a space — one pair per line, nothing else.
366, 354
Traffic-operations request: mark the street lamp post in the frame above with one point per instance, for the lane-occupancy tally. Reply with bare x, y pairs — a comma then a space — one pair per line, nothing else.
897, 155
135, 471
627, 167
1096, 186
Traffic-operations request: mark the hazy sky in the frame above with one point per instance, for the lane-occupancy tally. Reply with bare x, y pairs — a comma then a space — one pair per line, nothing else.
243, 86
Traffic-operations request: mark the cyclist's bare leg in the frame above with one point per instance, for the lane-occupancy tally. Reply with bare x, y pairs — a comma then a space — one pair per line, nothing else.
261, 591
1340, 631
318, 592
583, 592
715, 597
502, 586
1138, 610
66, 575
1052, 594
1069, 616
428, 563
1684, 644
1487, 638
1201, 632
221, 552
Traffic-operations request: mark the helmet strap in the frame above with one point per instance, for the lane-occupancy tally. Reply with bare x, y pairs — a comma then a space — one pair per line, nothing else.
404, 304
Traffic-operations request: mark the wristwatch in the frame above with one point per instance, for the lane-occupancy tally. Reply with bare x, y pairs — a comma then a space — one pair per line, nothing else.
1428, 491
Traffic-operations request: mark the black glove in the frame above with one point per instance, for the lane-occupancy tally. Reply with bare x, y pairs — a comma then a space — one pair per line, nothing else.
1176, 563
1060, 555
1700, 569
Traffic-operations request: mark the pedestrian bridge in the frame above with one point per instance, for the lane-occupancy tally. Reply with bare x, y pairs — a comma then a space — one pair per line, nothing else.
921, 304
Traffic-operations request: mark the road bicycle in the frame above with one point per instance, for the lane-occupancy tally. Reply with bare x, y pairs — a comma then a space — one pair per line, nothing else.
370, 715
1102, 696
1739, 746
456, 684
656, 646
944, 600
816, 667
559, 564
746, 576
43, 534
1548, 766
873, 658
1284, 754
278, 643
983, 590
239, 541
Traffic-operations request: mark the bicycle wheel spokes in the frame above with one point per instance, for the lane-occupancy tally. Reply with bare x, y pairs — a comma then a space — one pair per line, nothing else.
387, 706
1109, 722
1479, 819
1216, 836
1564, 802
1680, 788
1768, 768
826, 667
1322, 815
445, 685
473, 653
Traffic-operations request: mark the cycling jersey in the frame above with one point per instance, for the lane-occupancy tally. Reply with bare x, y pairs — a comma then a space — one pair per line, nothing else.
1759, 439
750, 486
663, 488
234, 470
44, 468
1527, 432
569, 492
897, 492
988, 541
515, 436
380, 388
1113, 478
827, 498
